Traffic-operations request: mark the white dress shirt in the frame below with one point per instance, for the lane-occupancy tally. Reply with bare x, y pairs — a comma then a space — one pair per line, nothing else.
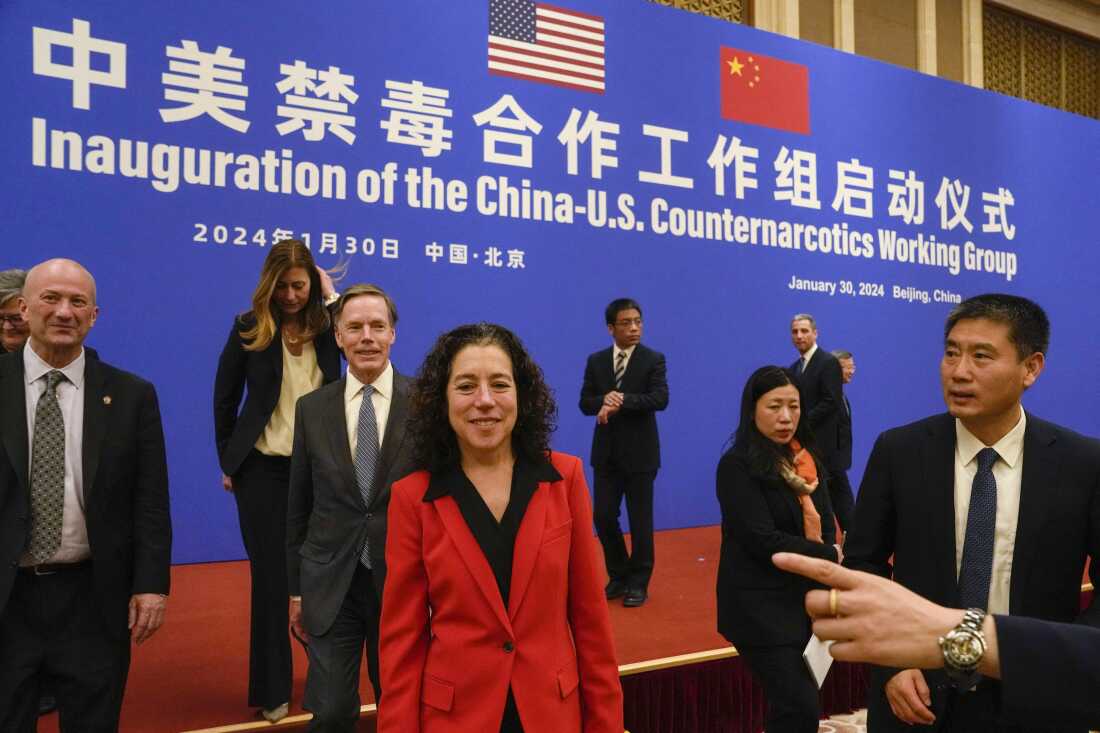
1008, 471
381, 399
807, 356
70, 398
615, 351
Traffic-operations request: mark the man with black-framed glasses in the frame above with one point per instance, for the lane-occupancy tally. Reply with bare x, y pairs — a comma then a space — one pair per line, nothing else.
624, 387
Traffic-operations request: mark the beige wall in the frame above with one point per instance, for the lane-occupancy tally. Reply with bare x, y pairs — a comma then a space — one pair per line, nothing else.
815, 21
949, 39
887, 30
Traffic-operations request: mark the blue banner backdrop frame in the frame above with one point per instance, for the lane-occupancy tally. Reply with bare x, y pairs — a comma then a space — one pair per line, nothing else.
171, 278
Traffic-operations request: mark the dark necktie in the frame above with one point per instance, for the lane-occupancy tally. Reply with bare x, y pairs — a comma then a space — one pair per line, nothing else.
47, 472
981, 522
366, 457
801, 367
620, 369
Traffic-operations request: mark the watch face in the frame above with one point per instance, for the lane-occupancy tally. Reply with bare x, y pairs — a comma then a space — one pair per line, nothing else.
965, 650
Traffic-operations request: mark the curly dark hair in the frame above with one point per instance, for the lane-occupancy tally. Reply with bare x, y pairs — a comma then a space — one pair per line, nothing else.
434, 446
762, 455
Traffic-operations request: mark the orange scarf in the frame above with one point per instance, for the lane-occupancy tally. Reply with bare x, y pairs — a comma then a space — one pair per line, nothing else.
802, 478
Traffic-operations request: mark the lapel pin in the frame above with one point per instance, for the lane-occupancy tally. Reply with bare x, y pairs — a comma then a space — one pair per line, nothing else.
106, 399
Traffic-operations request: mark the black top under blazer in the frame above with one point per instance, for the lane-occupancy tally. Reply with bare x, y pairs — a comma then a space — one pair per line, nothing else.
759, 604
262, 372
822, 387
629, 441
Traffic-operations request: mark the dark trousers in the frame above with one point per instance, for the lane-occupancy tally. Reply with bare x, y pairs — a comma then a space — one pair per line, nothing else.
978, 711
789, 688
332, 683
840, 494
612, 485
261, 486
52, 626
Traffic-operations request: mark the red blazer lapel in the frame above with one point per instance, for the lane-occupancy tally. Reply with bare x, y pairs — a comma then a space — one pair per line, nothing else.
528, 543
471, 554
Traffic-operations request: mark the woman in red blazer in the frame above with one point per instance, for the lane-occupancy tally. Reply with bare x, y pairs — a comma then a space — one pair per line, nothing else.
493, 615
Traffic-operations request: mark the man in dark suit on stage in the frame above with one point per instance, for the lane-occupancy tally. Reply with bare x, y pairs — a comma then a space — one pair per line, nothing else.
987, 507
85, 535
842, 489
349, 448
624, 387
820, 380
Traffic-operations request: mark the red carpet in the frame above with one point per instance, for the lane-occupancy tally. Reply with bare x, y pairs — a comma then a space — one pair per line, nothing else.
193, 673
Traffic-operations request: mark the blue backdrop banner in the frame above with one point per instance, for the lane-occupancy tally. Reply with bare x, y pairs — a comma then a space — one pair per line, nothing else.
525, 163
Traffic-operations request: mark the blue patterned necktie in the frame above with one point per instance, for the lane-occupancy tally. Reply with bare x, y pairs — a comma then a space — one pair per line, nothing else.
981, 522
366, 457
47, 472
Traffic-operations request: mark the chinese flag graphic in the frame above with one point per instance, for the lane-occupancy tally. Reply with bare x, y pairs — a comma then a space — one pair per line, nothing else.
762, 90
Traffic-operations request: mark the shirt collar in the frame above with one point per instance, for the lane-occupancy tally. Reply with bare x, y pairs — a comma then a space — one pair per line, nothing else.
383, 385
525, 472
808, 355
1009, 448
34, 368
629, 351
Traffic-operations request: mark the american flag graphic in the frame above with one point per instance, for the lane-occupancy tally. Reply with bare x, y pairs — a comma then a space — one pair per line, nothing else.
546, 43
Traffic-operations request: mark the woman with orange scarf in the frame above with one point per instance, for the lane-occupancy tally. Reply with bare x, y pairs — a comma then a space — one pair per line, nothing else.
773, 499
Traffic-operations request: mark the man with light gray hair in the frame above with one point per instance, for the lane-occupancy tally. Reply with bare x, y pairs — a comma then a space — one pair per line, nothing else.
13, 329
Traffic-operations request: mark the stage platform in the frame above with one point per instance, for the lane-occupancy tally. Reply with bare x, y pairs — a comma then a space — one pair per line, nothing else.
678, 673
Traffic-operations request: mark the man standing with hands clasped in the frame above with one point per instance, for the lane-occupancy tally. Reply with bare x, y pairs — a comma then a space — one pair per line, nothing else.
624, 387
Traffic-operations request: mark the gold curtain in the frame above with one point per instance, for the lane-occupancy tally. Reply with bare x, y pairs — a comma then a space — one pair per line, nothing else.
731, 10
1040, 62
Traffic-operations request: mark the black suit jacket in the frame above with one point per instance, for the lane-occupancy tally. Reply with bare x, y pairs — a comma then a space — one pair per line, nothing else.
1050, 672
125, 477
822, 387
327, 523
759, 604
906, 508
629, 441
262, 372
844, 435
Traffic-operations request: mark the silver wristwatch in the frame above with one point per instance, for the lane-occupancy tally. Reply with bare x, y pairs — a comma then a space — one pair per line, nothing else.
963, 648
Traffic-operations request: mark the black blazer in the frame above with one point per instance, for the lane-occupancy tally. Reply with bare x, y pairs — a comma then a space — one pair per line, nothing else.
759, 604
906, 508
1050, 672
822, 388
629, 441
262, 372
327, 523
844, 435
125, 477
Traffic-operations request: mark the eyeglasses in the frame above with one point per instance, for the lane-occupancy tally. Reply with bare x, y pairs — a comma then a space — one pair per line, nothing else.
628, 322
15, 321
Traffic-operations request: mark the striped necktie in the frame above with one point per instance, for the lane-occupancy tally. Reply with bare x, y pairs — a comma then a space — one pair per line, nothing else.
366, 457
47, 472
620, 368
